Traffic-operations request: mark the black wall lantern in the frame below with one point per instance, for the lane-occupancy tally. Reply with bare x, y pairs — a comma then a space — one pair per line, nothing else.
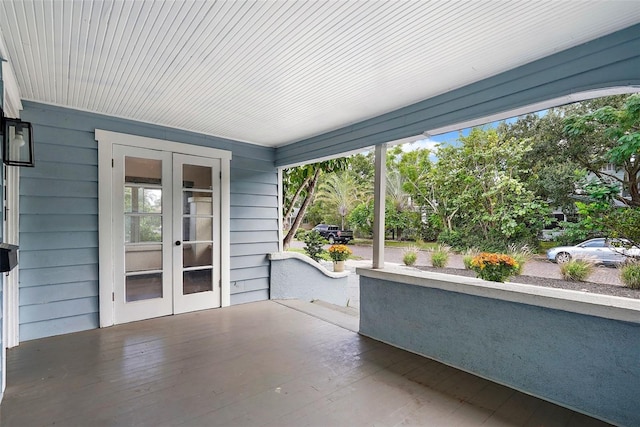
17, 142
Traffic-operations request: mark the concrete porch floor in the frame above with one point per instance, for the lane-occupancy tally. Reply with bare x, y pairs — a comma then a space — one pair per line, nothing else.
259, 364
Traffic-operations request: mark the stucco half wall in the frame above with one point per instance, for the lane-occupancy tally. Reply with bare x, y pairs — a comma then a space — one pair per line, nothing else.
575, 349
295, 276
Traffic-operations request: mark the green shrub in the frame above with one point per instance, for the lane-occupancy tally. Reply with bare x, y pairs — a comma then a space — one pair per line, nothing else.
440, 256
299, 236
463, 239
522, 254
468, 256
410, 255
313, 242
576, 270
574, 233
453, 239
630, 275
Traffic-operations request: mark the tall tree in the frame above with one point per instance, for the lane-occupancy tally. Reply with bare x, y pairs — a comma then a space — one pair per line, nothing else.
620, 127
302, 182
363, 169
614, 136
557, 163
481, 179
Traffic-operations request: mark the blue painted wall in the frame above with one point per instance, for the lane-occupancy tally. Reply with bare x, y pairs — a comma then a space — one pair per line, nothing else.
583, 362
613, 60
59, 217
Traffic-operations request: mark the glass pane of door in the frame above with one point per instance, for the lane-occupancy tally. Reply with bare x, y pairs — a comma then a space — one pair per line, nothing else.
143, 228
197, 227
196, 183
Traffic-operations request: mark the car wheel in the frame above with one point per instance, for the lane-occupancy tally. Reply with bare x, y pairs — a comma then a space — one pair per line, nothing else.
563, 257
331, 240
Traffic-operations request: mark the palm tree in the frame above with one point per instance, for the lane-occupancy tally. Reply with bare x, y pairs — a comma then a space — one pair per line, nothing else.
398, 202
340, 193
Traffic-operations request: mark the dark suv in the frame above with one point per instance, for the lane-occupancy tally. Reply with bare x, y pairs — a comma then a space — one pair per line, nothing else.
333, 233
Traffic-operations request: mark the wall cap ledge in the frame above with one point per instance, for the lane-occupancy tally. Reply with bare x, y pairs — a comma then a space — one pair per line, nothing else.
605, 306
281, 256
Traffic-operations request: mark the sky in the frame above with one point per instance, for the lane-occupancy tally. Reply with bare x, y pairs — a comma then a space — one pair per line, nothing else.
450, 138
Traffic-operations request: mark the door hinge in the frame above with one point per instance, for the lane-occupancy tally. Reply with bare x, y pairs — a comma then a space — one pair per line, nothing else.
112, 163
220, 174
113, 296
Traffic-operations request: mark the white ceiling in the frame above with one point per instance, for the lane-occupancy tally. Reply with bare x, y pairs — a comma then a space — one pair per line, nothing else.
273, 72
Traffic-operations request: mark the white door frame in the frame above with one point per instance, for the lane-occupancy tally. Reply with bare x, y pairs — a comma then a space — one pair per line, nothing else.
106, 140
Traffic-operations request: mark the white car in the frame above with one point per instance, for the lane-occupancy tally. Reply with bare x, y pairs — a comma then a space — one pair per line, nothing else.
600, 250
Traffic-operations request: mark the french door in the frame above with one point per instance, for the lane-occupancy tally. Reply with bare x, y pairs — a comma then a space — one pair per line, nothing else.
166, 233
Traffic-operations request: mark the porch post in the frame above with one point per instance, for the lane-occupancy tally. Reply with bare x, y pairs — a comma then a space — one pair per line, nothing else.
379, 190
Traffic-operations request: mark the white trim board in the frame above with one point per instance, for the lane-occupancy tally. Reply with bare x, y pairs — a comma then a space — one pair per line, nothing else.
106, 140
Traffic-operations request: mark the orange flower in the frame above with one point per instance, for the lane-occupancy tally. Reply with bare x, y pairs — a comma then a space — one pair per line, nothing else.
494, 267
339, 252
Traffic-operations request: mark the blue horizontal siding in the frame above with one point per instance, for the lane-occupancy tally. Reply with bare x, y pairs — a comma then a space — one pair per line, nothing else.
253, 176
57, 257
249, 285
250, 273
59, 217
44, 187
52, 170
251, 200
67, 155
250, 164
68, 136
254, 236
58, 309
58, 205
57, 275
63, 325
58, 292
245, 187
69, 222
59, 240
253, 224
253, 248
254, 213
248, 261
247, 297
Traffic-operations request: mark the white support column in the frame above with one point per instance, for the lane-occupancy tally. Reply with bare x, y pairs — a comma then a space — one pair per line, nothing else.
280, 210
379, 191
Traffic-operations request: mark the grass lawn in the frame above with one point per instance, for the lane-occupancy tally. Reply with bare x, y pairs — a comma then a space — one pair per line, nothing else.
396, 244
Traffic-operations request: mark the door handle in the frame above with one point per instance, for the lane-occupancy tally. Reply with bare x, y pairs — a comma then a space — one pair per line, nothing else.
178, 242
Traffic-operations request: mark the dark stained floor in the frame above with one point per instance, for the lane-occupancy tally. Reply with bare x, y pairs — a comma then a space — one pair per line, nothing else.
259, 364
